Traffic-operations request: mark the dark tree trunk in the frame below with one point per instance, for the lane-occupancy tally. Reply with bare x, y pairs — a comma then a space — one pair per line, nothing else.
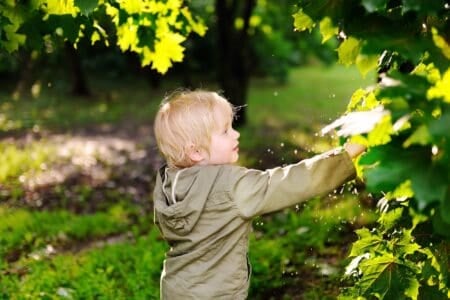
79, 85
233, 50
23, 84
153, 77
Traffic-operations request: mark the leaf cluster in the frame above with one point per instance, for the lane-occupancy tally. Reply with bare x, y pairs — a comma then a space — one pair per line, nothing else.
407, 43
154, 30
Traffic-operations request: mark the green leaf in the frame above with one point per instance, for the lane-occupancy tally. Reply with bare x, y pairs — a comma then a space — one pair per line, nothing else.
412, 88
367, 242
445, 207
420, 136
440, 226
388, 278
390, 219
366, 63
387, 166
302, 21
429, 183
432, 293
405, 245
381, 133
348, 51
69, 25
422, 6
327, 29
374, 5
356, 99
441, 89
86, 6
440, 127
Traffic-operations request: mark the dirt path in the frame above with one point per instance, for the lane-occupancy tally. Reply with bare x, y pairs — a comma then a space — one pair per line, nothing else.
93, 163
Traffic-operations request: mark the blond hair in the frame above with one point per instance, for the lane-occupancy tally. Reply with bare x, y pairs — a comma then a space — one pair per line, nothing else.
186, 119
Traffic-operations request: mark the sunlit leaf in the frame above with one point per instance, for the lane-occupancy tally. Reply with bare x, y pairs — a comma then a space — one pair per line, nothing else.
356, 98
429, 71
132, 6
381, 132
403, 191
366, 242
197, 25
127, 35
327, 29
167, 50
61, 7
441, 89
366, 63
388, 277
421, 136
348, 51
441, 43
391, 218
302, 21
405, 245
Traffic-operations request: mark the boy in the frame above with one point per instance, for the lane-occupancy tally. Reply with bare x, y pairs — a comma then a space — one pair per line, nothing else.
204, 204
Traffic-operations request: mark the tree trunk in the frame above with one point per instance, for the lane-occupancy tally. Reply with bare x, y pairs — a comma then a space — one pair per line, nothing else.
233, 49
23, 84
79, 85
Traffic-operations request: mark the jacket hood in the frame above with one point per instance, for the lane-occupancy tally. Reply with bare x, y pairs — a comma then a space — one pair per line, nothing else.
180, 196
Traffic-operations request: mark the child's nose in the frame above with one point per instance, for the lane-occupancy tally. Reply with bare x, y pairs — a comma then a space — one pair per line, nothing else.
236, 133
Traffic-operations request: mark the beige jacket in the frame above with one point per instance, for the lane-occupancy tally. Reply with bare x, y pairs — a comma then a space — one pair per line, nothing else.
205, 213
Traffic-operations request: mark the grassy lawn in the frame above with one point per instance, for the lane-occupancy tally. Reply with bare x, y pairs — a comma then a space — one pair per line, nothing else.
313, 96
76, 179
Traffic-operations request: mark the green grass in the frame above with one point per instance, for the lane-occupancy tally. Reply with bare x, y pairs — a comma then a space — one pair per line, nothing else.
57, 110
120, 271
16, 160
314, 96
33, 230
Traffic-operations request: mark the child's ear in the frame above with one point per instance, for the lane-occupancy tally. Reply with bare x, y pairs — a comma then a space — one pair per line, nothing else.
195, 154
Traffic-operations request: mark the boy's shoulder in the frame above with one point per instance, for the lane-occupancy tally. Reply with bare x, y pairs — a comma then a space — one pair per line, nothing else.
225, 175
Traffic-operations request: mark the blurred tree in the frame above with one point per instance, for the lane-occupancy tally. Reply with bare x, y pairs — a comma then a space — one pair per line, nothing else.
233, 50
246, 38
154, 30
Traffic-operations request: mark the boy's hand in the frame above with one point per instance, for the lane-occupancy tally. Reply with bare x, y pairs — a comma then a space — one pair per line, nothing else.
354, 150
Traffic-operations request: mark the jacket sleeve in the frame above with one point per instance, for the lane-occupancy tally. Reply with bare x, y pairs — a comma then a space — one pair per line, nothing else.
258, 192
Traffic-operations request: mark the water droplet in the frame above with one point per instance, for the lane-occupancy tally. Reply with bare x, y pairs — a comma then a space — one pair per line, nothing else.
275, 93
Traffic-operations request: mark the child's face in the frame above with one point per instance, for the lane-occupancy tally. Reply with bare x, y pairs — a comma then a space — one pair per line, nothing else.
224, 140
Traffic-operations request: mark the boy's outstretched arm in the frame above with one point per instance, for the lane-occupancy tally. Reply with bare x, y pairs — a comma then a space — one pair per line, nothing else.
258, 192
